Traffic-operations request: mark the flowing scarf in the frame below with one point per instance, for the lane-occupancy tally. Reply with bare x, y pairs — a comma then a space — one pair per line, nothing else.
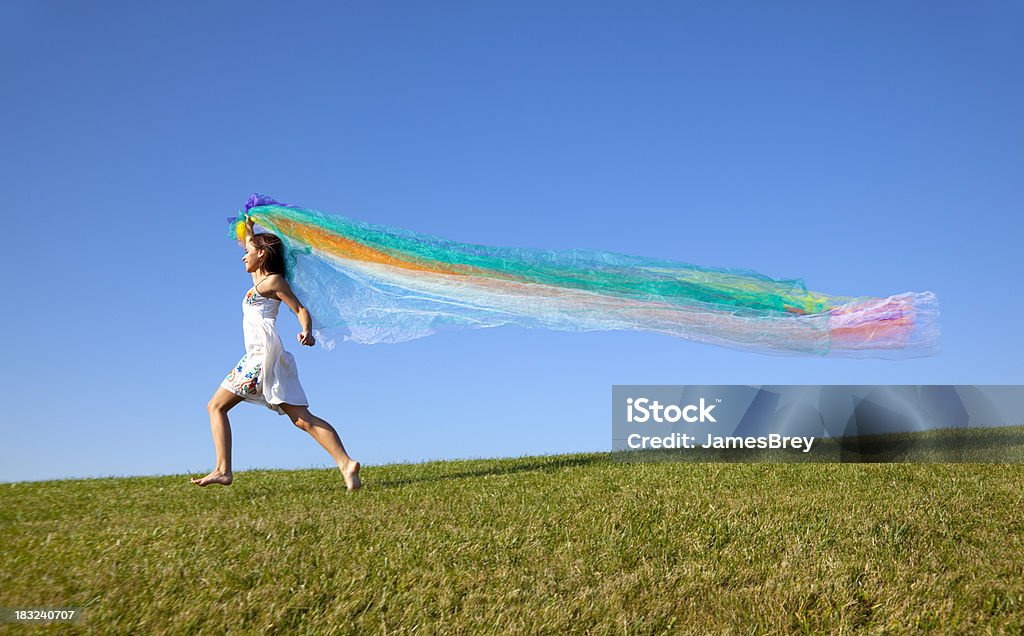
373, 283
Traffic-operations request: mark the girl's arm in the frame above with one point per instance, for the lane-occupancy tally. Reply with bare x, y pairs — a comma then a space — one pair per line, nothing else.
249, 231
279, 286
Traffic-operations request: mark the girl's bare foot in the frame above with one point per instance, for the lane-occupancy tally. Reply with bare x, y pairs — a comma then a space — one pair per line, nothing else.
351, 474
215, 477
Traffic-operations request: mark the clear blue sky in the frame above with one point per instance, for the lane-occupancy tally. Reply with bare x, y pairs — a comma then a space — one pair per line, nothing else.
869, 148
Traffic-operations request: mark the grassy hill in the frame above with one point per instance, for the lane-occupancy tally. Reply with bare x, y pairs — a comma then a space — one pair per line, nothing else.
575, 543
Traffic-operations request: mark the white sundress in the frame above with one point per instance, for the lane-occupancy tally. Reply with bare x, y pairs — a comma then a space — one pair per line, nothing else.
266, 374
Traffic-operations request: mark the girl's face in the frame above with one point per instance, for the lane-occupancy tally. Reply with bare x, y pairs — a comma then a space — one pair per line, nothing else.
251, 258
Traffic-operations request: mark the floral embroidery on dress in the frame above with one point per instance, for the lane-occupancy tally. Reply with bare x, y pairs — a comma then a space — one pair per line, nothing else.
250, 297
253, 378
249, 383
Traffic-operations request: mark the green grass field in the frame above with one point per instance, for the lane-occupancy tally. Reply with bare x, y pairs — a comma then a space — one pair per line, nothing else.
566, 544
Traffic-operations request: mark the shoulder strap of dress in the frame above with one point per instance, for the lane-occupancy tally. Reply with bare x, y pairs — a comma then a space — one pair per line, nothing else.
257, 285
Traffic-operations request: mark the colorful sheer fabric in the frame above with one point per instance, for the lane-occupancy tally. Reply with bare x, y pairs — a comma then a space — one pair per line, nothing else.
371, 283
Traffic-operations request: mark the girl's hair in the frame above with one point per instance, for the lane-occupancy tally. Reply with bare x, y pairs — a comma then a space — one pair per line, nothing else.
273, 253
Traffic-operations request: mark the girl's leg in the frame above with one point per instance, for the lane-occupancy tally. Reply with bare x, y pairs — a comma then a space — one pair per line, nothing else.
327, 437
221, 402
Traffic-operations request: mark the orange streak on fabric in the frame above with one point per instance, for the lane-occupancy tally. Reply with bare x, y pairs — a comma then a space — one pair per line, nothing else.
347, 248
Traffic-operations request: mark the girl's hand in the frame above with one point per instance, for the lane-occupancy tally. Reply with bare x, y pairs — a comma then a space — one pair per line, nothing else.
306, 338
